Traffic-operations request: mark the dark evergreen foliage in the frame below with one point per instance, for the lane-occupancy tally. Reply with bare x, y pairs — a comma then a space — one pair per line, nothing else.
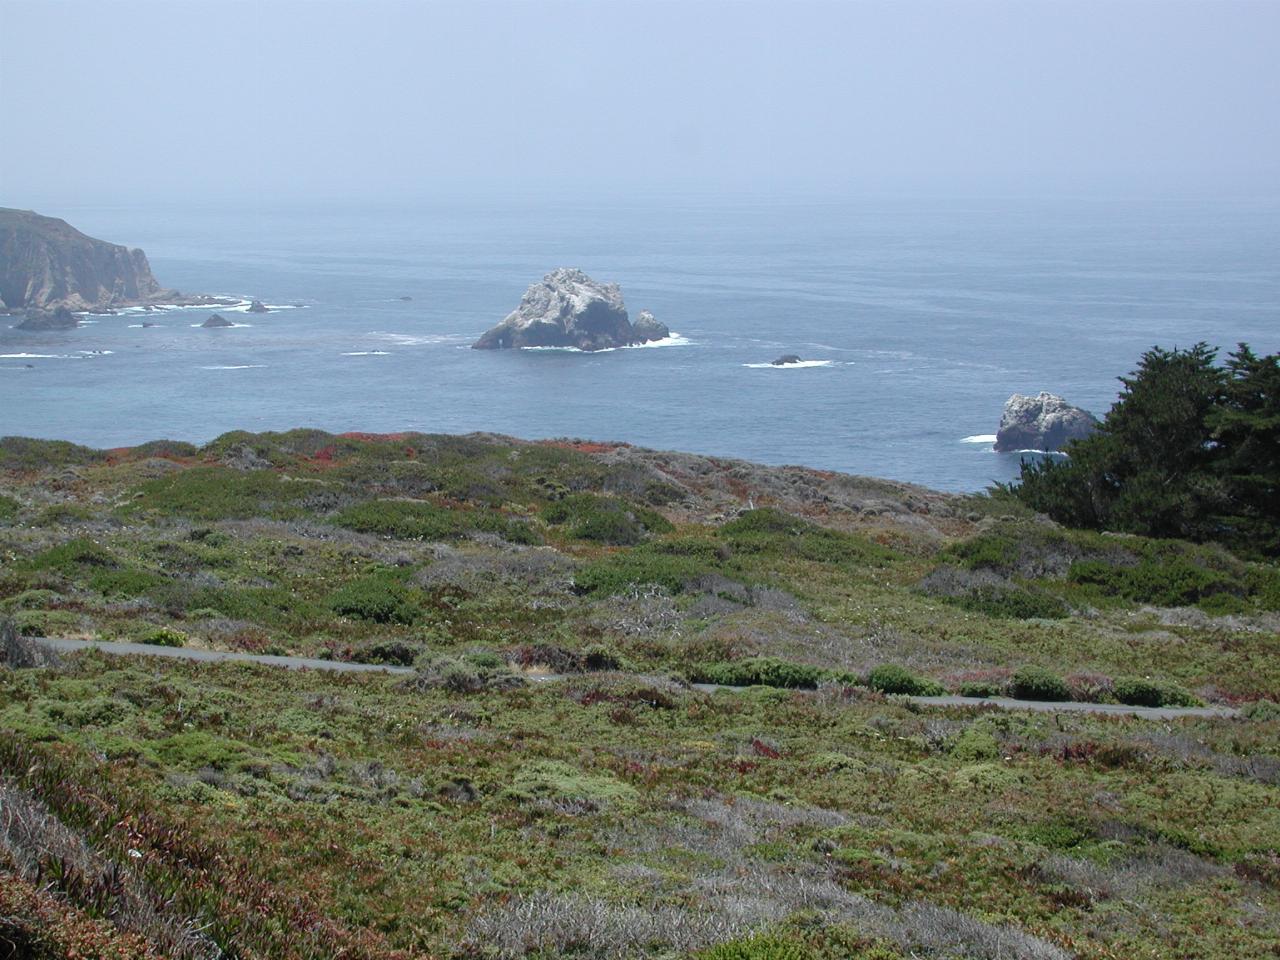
1191, 449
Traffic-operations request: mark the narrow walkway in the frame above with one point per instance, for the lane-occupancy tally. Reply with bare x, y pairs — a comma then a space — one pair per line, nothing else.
341, 666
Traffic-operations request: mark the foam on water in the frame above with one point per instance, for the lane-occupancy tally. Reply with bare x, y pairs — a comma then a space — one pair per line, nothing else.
78, 355
675, 340
367, 353
417, 340
236, 366
979, 438
232, 327
791, 366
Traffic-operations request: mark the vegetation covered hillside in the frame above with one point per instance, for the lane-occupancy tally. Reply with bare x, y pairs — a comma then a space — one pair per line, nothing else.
630, 805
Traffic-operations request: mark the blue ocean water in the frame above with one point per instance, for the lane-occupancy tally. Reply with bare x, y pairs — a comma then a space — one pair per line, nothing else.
927, 315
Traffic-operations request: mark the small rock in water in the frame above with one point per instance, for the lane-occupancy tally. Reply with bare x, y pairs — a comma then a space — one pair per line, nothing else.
59, 318
217, 320
406, 298
786, 359
647, 328
258, 307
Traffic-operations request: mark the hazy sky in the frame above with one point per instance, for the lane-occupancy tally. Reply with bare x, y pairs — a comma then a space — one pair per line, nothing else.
130, 101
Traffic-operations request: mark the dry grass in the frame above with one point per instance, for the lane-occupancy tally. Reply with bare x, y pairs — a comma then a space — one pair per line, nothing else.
19, 652
45, 851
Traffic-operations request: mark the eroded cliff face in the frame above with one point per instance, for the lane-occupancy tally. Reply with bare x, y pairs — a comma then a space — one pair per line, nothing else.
47, 263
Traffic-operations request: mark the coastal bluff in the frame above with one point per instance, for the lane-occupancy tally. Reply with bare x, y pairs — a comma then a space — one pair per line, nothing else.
46, 264
569, 309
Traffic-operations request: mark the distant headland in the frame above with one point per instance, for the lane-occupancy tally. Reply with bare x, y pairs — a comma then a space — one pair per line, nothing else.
50, 270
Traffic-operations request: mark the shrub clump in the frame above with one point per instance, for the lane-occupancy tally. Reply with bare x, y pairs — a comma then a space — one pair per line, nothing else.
1143, 692
891, 678
470, 673
768, 672
1014, 603
771, 532
419, 520
1165, 581
379, 598
394, 652
642, 566
1036, 683
1261, 710
759, 947
164, 637
9, 508
607, 520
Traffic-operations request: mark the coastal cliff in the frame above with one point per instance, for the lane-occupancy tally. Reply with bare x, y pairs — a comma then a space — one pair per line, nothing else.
45, 263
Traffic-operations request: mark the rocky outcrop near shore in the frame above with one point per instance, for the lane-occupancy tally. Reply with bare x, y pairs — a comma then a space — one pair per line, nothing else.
648, 328
217, 320
59, 318
569, 309
1043, 422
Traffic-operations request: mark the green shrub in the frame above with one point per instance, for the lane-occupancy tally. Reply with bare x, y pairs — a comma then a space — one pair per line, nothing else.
221, 493
998, 551
1036, 683
1261, 710
766, 672
600, 657
891, 678
980, 688
608, 520
123, 582
641, 566
48, 623
73, 557
270, 606
1013, 603
61, 514
9, 508
25, 453
975, 744
392, 652
379, 598
1142, 692
32, 600
773, 533
419, 520
1172, 582
163, 637
467, 674
759, 947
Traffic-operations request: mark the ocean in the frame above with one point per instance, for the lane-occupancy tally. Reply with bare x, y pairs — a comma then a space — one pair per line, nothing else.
918, 319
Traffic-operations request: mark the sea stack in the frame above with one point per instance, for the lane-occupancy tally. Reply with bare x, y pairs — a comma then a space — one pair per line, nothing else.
217, 320
59, 318
1043, 422
786, 360
569, 309
258, 307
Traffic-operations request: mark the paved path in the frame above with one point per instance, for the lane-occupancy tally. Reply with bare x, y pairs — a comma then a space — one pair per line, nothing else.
342, 666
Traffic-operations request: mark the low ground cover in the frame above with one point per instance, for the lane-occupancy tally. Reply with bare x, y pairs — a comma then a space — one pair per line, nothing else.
468, 812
